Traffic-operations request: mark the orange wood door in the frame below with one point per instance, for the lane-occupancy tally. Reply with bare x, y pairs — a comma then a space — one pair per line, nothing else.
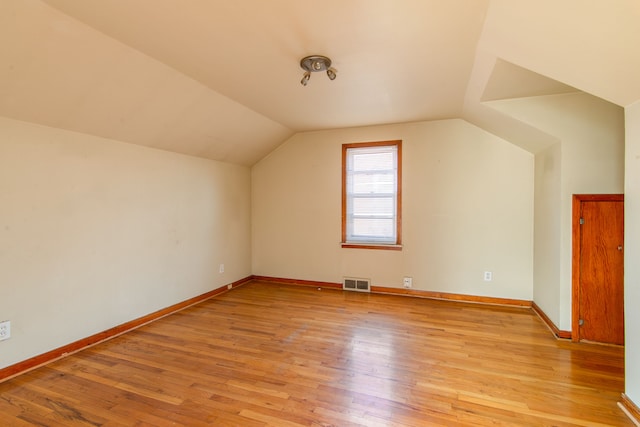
601, 294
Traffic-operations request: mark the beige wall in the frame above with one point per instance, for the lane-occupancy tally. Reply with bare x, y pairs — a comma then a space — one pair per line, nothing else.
547, 251
588, 160
632, 252
467, 208
96, 232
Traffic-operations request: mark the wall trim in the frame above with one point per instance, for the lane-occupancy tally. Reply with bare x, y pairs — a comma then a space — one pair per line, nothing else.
630, 409
313, 283
452, 297
545, 319
76, 346
405, 292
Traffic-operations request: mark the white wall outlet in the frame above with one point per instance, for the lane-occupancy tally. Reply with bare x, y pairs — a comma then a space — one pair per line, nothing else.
407, 282
229, 286
488, 276
5, 330
221, 268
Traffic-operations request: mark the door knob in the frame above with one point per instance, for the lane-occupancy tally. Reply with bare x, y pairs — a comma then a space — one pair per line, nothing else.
619, 247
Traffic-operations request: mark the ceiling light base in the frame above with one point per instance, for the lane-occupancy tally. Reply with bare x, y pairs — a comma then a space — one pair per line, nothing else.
315, 63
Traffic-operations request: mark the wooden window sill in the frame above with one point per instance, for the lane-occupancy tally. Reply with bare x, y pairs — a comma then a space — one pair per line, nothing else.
351, 245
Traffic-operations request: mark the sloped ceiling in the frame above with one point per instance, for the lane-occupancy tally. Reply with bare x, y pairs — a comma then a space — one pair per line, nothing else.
510, 81
221, 79
588, 44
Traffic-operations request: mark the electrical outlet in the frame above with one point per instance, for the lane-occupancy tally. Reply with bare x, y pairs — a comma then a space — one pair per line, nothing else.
221, 268
5, 330
488, 276
229, 286
407, 282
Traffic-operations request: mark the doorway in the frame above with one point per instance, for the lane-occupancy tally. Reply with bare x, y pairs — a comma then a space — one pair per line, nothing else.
598, 268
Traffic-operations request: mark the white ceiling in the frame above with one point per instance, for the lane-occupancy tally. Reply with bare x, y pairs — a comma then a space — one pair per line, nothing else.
221, 79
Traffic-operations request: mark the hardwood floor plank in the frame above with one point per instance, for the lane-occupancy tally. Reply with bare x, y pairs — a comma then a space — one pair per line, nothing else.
274, 420
267, 354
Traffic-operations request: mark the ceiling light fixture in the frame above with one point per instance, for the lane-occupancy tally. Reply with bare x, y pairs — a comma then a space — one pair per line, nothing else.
315, 63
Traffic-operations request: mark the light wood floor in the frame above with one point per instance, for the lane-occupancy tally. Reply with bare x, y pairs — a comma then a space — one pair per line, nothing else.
277, 355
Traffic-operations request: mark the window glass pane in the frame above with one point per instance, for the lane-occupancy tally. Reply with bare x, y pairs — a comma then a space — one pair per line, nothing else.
373, 183
372, 161
374, 230
378, 206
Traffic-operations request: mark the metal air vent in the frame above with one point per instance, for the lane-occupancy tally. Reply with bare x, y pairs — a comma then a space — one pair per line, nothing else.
355, 284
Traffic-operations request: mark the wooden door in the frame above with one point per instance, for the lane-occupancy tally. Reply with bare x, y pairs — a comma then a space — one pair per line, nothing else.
599, 310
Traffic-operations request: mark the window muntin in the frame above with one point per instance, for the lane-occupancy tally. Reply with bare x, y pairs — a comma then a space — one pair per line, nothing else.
371, 193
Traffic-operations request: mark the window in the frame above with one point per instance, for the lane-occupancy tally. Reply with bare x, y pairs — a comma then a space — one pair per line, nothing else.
371, 195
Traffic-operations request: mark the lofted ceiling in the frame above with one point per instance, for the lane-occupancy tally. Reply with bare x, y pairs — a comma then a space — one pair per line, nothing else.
221, 79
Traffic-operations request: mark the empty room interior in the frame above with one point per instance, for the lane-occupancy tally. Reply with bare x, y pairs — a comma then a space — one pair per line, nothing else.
336, 213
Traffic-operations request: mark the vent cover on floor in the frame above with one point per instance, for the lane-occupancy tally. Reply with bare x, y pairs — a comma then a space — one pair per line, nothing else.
352, 284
